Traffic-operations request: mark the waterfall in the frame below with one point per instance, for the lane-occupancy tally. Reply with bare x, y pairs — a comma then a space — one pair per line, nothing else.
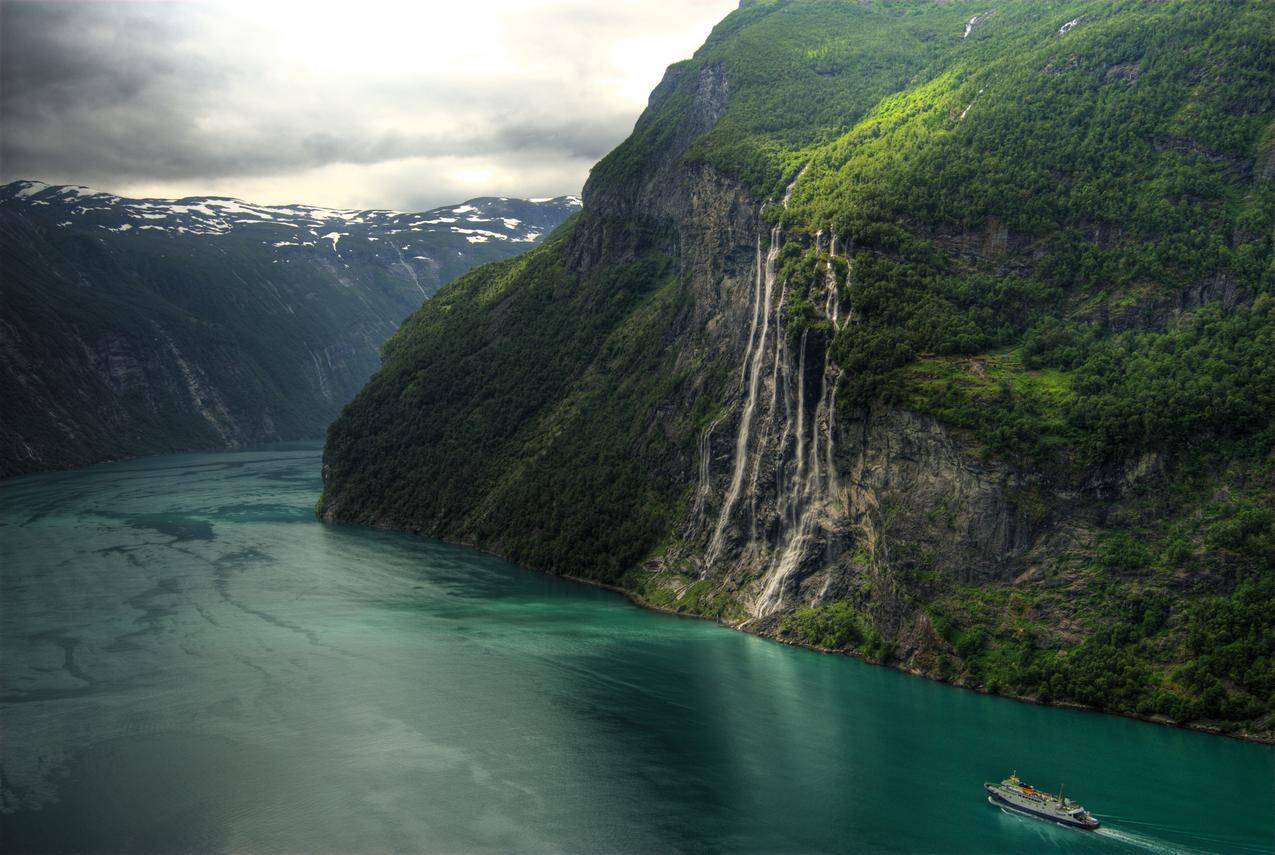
801, 405
807, 495
754, 360
705, 446
814, 489
705, 443
833, 313
778, 392
834, 488
757, 308
778, 431
832, 305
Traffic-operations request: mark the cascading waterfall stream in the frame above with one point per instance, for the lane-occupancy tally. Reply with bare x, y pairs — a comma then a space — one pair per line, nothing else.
778, 392
794, 506
705, 445
815, 488
754, 361
757, 310
833, 313
778, 430
809, 494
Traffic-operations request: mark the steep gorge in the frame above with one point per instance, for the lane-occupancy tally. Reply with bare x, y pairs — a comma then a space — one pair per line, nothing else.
887, 334
144, 326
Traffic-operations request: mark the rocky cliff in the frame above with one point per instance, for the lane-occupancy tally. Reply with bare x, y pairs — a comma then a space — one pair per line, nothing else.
895, 329
136, 326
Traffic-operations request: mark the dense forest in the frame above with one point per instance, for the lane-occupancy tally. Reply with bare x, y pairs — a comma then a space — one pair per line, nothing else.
1053, 229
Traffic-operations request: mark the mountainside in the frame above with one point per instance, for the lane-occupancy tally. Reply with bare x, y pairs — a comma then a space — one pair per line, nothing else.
139, 326
940, 333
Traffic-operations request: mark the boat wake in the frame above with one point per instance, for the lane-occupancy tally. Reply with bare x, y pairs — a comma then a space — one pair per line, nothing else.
1142, 841
1152, 844
1132, 839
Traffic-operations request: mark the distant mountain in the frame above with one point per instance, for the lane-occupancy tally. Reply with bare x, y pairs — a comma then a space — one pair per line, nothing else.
135, 326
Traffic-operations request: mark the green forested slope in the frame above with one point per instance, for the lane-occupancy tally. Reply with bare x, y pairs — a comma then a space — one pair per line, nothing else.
144, 326
1054, 225
549, 432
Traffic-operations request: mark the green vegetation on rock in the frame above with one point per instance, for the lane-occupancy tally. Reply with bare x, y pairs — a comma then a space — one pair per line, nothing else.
1054, 226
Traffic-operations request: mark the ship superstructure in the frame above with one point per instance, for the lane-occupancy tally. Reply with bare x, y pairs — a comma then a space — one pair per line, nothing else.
1015, 795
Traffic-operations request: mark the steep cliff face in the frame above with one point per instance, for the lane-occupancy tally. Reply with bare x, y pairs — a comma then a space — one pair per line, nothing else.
135, 326
892, 329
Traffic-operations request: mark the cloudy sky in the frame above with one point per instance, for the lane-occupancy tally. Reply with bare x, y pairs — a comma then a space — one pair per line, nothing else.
404, 105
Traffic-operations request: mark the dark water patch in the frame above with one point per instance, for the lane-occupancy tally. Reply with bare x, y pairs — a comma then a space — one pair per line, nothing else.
152, 615
33, 508
179, 528
230, 564
146, 794
240, 559
125, 644
68, 644
207, 615
287, 686
132, 554
266, 512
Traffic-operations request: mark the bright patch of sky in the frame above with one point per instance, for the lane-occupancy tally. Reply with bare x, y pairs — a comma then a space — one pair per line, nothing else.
402, 105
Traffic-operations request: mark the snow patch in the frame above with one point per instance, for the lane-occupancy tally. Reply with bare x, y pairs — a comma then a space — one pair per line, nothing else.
31, 187
484, 233
80, 191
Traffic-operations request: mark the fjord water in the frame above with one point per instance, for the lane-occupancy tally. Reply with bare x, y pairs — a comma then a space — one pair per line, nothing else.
192, 663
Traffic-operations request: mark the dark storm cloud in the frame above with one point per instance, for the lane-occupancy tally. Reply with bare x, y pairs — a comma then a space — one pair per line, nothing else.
72, 89
151, 95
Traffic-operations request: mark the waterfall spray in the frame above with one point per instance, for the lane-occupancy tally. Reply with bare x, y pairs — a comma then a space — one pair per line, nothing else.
755, 360
779, 427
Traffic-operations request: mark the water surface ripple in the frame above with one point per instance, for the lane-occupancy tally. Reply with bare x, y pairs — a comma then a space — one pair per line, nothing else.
192, 663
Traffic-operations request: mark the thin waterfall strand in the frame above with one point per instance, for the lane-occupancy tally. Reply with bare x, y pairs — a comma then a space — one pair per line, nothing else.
750, 405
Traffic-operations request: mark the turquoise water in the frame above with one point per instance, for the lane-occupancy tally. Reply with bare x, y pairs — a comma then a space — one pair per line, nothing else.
191, 662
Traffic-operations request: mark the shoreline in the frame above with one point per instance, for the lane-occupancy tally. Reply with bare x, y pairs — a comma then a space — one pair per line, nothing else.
223, 449
637, 600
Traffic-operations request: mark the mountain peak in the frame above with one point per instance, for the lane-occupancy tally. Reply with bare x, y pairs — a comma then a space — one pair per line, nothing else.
479, 220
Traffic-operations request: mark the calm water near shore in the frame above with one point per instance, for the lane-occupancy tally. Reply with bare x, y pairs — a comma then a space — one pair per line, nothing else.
192, 663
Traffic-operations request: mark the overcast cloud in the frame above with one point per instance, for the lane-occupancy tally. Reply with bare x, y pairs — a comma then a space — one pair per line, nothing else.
404, 105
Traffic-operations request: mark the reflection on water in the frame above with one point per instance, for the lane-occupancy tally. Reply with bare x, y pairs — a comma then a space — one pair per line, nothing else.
191, 662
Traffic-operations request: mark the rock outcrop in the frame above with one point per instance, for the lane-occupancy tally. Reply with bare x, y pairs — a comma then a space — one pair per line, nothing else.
831, 357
